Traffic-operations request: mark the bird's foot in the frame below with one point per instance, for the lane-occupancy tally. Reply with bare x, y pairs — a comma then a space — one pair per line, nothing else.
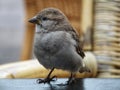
47, 80
70, 81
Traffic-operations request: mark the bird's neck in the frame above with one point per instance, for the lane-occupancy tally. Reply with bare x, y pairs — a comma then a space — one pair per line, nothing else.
65, 25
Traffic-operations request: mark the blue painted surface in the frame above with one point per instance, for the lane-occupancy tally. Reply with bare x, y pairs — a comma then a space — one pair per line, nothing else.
81, 84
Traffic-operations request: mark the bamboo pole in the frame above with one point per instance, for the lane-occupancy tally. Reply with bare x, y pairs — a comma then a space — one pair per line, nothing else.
32, 69
112, 63
87, 15
26, 52
112, 71
107, 38
107, 75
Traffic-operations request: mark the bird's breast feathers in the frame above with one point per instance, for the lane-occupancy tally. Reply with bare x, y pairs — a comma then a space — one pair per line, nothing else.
57, 49
54, 40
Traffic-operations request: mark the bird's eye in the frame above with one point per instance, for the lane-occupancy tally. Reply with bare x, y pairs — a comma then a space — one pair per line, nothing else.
44, 18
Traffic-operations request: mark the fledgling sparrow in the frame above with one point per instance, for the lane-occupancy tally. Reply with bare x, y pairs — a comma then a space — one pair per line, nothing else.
57, 45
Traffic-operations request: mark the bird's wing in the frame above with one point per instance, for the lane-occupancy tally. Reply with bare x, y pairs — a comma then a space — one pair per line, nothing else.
78, 46
70, 30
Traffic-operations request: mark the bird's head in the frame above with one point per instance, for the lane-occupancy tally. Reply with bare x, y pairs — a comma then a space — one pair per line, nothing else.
49, 18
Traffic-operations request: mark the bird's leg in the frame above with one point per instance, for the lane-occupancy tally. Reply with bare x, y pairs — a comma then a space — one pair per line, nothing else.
71, 79
47, 79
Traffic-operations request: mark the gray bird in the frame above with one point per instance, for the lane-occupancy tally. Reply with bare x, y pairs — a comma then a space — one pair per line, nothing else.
56, 44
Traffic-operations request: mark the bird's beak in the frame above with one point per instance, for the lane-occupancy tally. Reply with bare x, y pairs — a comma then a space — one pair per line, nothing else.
33, 20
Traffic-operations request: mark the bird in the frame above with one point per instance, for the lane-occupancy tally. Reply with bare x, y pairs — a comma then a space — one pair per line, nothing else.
57, 44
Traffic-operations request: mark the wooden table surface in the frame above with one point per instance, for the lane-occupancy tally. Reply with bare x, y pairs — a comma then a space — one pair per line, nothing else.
81, 84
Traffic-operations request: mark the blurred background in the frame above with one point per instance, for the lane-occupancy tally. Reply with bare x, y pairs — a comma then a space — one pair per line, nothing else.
16, 34
12, 29
96, 21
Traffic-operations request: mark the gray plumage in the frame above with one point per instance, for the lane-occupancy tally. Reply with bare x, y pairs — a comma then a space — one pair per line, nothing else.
56, 42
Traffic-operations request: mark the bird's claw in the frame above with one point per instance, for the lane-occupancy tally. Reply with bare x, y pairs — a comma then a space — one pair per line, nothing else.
47, 80
70, 81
